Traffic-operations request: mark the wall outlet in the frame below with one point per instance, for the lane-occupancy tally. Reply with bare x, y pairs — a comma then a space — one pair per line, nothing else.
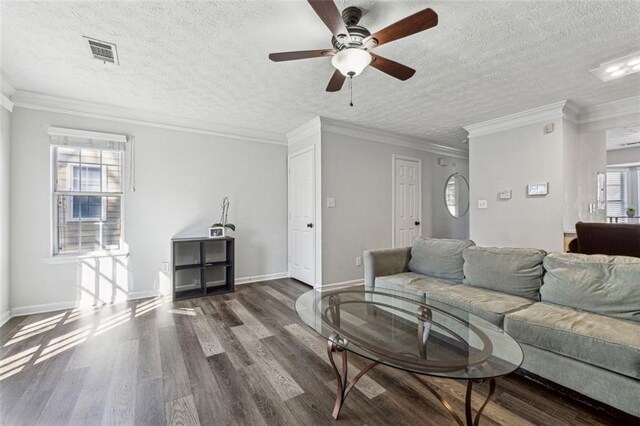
482, 204
359, 261
331, 203
164, 266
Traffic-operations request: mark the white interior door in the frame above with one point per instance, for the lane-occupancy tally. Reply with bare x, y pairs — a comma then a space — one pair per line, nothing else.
407, 200
302, 229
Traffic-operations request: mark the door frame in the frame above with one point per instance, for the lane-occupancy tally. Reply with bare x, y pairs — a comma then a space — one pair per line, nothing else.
317, 220
395, 157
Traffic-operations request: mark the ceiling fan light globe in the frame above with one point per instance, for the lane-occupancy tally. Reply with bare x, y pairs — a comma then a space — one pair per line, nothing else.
351, 61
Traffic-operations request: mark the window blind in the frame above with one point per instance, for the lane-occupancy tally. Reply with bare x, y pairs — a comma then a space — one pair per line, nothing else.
616, 193
85, 139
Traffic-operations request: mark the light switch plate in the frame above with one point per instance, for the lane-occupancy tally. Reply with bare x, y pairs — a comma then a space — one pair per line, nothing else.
482, 204
331, 203
505, 194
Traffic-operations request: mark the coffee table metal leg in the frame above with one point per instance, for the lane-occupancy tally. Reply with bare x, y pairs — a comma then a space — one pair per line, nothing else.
337, 344
467, 404
468, 408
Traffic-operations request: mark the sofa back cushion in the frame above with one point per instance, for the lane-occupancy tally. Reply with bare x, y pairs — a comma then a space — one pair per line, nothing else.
440, 258
516, 271
607, 285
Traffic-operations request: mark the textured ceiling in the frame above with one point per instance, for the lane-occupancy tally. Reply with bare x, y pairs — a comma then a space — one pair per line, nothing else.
208, 60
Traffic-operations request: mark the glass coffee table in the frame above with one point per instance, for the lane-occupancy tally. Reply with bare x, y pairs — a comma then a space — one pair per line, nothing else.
408, 332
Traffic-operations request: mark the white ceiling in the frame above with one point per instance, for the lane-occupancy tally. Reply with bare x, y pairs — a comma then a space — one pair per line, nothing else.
208, 60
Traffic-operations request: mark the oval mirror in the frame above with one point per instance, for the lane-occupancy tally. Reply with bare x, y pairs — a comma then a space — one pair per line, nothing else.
456, 195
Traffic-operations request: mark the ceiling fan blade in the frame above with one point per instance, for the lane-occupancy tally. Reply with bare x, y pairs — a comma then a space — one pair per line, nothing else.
413, 24
300, 54
394, 69
330, 15
336, 82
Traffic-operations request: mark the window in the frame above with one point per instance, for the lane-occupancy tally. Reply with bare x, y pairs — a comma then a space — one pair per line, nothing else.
616, 192
87, 195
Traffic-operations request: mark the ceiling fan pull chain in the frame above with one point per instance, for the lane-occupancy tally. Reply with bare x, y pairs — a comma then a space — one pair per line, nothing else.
351, 90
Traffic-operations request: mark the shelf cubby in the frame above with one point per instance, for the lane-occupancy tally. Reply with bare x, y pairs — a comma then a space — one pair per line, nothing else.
202, 266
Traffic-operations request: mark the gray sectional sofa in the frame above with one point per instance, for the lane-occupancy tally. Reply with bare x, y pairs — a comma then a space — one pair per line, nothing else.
576, 317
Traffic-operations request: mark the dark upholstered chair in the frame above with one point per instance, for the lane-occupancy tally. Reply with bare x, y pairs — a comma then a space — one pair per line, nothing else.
620, 239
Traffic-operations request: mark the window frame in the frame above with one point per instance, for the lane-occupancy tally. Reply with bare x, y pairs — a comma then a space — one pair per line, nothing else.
103, 206
55, 192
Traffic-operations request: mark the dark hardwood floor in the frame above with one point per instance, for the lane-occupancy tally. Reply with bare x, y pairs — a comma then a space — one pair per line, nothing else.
242, 358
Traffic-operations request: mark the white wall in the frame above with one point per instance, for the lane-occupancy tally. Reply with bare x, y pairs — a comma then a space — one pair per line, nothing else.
512, 159
5, 133
180, 180
357, 172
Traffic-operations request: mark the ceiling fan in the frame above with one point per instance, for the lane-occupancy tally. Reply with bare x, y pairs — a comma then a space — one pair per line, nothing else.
352, 44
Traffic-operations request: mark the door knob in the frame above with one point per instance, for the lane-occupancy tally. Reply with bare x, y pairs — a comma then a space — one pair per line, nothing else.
417, 223
309, 225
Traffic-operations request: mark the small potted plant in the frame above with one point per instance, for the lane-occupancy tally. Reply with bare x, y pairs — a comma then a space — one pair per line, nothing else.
218, 230
631, 211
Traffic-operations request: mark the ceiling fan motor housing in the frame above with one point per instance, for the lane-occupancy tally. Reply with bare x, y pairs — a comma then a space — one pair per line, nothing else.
357, 35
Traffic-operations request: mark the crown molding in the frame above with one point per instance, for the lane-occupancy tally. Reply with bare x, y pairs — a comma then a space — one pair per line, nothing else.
389, 138
309, 128
614, 109
561, 109
37, 101
6, 91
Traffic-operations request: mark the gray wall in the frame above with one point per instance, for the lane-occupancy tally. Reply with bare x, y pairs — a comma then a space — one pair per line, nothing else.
181, 178
512, 159
358, 173
5, 133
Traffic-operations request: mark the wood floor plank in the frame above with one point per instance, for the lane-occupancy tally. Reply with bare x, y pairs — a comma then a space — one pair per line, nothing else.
209, 342
182, 412
62, 400
174, 372
264, 396
248, 319
150, 405
211, 401
79, 367
281, 381
366, 385
280, 297
119, 406
242, 407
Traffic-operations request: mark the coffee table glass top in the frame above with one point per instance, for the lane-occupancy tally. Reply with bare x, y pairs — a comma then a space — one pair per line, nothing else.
406, 331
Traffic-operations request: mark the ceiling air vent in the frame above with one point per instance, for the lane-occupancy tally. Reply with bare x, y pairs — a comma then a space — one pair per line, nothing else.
103, 51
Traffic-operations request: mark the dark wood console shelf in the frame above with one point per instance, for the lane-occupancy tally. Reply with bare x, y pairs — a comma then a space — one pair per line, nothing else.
202, 266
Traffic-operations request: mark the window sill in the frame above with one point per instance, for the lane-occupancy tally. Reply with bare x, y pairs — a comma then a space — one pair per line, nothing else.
75, 257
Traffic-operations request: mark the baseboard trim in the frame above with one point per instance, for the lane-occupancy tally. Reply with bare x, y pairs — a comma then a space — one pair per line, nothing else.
4, 317
256, 278
61, 306
345, 283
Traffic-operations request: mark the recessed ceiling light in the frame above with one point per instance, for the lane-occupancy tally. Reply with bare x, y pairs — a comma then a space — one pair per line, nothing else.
619, 67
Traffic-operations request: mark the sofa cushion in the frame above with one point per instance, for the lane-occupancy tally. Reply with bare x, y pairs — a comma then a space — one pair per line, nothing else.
607, 285
440, 258
411, 282
606, 342
487, 304
517, 271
